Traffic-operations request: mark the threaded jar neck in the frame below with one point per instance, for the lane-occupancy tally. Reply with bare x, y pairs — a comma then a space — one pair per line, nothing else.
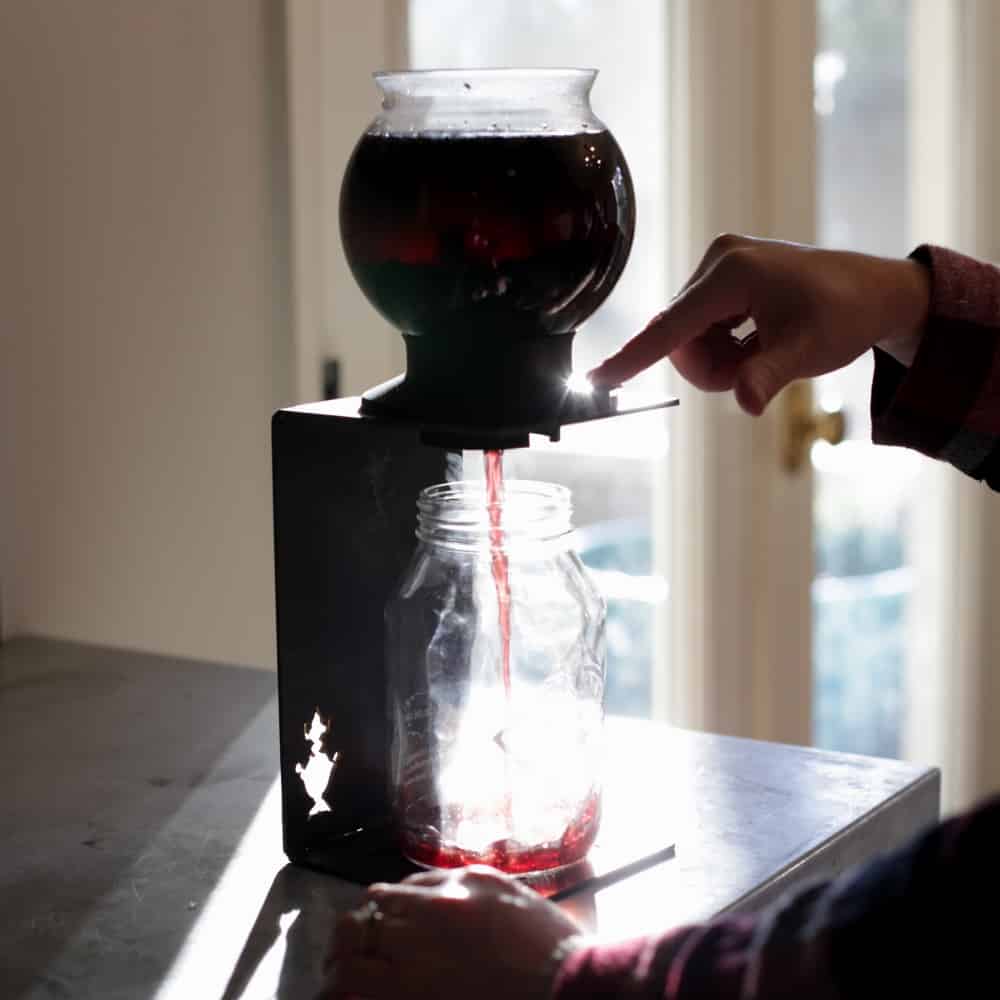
459, 515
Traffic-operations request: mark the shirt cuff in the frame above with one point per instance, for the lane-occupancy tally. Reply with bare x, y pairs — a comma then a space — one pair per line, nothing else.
927, 406
697, 960
597, 971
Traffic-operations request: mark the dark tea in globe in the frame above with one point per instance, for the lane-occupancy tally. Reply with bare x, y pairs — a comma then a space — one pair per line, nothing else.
483, 235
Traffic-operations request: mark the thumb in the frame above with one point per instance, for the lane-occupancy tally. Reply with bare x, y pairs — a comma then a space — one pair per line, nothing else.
764, 374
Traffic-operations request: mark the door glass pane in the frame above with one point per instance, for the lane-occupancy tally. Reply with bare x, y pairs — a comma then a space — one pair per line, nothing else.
863, 493
613, 466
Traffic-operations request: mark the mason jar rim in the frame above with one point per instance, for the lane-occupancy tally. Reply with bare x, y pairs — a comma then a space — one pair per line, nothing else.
457, 513
516, 489
489, 72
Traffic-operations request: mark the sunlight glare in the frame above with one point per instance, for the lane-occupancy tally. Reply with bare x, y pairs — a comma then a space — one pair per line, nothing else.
579, 383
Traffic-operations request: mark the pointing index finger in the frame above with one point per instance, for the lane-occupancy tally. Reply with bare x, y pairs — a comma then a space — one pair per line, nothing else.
720, 295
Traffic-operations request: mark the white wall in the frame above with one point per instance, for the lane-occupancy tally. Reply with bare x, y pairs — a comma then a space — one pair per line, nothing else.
333, 50
144, 319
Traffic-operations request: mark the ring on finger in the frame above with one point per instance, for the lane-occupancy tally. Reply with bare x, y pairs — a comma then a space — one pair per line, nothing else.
745, 332
371, 929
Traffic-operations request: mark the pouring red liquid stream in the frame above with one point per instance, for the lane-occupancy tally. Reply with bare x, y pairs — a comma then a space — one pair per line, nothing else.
493, 461
498, 556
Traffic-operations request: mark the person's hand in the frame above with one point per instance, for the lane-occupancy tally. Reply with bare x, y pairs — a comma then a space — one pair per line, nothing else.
468, 933
814, 310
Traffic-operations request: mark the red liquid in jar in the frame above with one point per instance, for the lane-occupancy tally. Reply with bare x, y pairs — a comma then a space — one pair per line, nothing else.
510, 856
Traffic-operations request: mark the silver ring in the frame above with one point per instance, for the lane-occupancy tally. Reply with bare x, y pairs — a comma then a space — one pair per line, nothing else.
745, 332
371, 929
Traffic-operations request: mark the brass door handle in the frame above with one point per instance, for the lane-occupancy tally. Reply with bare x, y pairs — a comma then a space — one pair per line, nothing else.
802, 425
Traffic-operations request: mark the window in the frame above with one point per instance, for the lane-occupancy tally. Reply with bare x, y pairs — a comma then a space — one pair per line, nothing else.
862, 493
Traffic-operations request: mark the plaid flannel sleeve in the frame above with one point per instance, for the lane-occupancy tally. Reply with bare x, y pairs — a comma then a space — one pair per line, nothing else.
905, 924
947, 404
919, 921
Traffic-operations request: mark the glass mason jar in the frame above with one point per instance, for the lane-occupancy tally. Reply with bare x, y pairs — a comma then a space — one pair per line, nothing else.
497, 746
